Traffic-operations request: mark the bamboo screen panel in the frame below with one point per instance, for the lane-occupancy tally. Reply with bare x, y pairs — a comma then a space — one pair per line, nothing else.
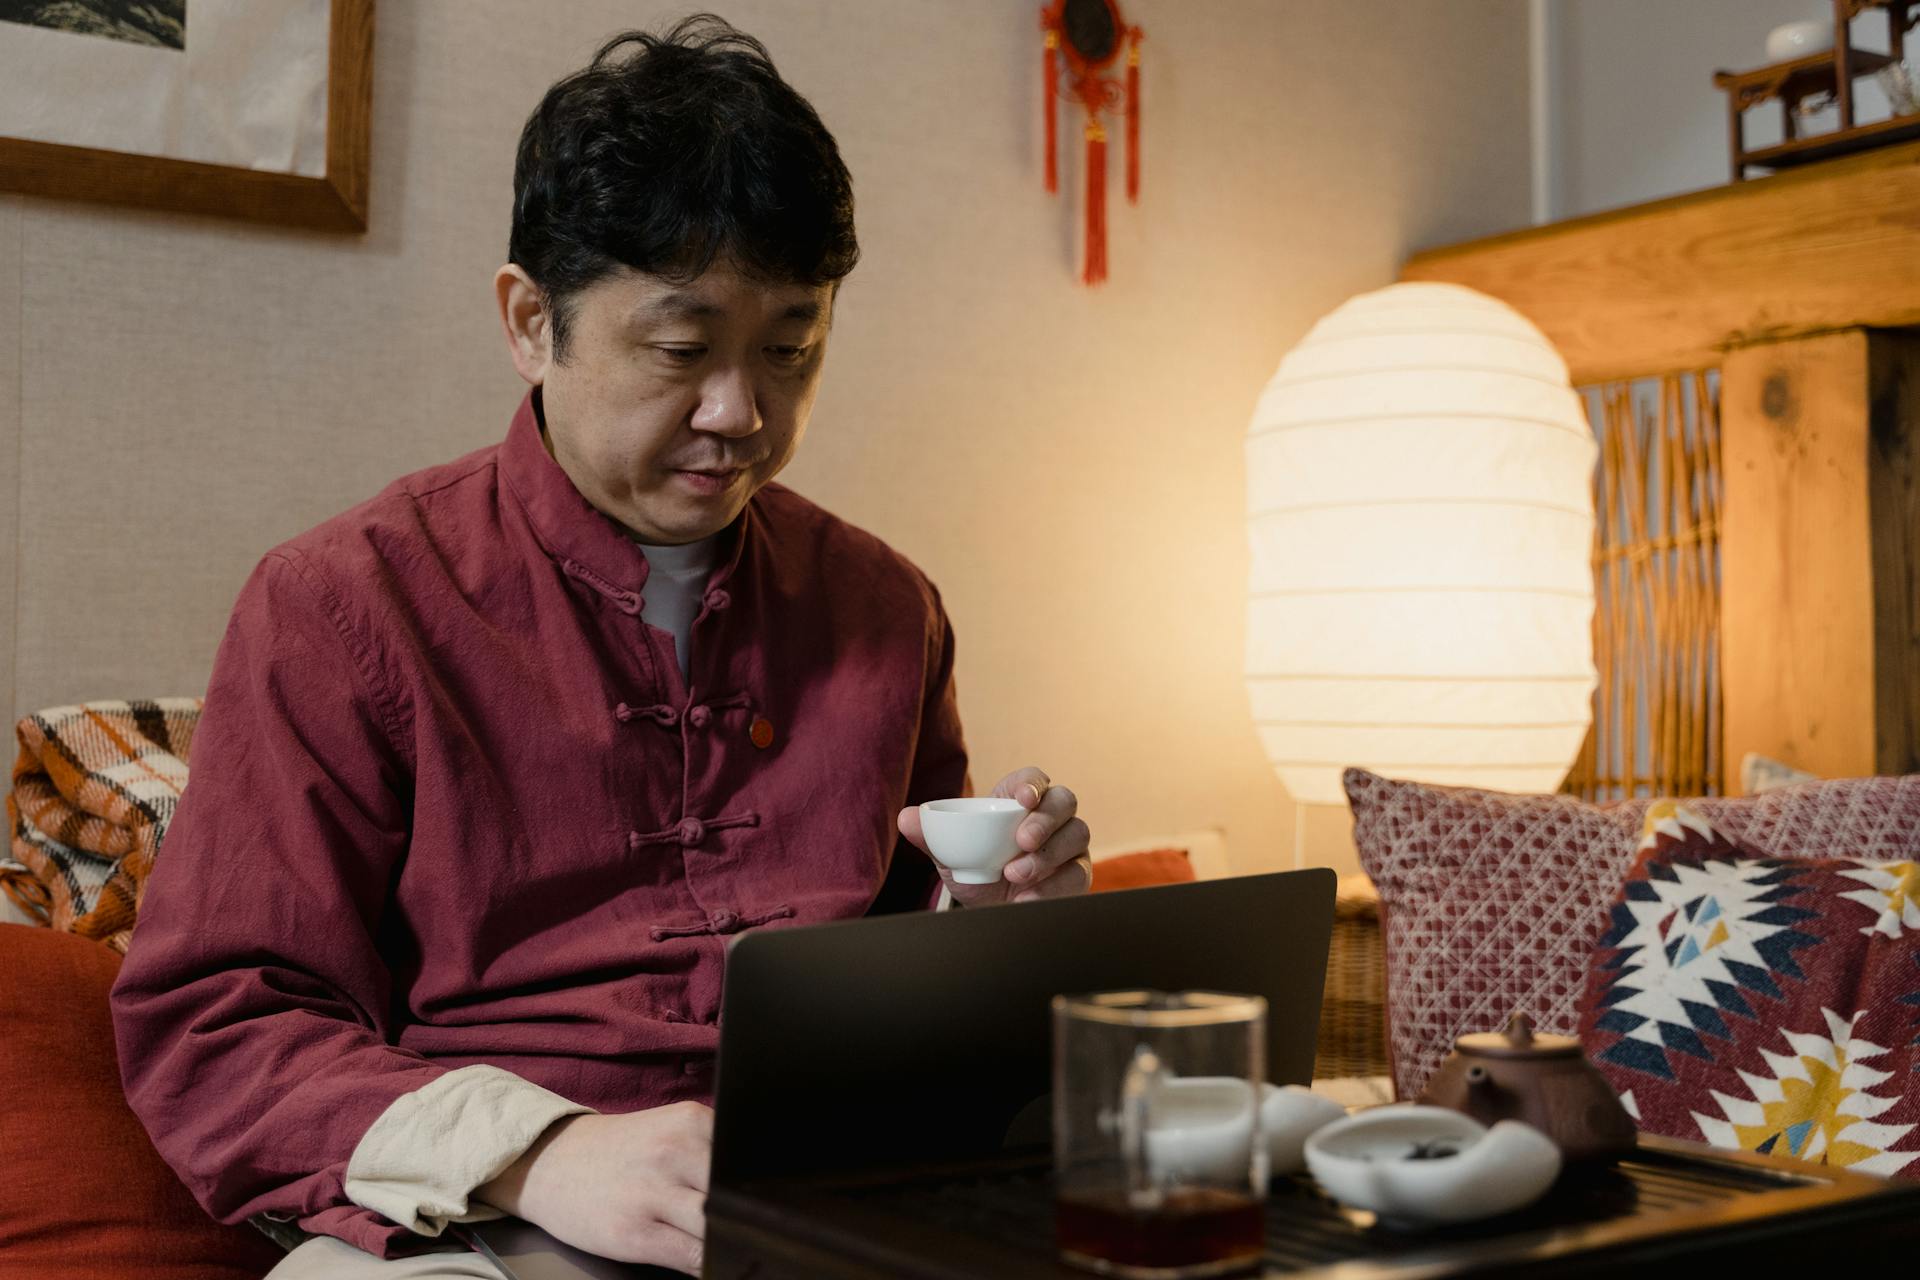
1656, 564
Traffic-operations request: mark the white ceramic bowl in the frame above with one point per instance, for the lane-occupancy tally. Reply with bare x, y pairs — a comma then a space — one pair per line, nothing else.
973, 837
1199, 1128
1364, 1163
1798, 39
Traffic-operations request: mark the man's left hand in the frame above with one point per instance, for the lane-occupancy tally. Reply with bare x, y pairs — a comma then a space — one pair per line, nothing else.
1052, 862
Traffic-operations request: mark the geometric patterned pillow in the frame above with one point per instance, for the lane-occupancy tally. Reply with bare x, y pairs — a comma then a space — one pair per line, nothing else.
1762, 1003
1489, 905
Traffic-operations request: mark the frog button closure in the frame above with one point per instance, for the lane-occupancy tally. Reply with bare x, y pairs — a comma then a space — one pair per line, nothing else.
699, 717
692, 831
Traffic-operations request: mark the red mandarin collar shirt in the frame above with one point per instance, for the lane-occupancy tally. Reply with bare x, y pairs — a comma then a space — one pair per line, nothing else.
452, 803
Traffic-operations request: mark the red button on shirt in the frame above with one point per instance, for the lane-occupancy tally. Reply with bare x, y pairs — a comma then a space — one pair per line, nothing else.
762, 733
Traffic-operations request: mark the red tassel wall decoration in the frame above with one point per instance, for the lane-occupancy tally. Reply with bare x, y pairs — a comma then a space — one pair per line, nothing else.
1133, 122
1096, 203
1085, 42
1051, 70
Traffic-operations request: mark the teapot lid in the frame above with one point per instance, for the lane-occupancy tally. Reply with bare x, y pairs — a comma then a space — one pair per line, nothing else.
1517, 1041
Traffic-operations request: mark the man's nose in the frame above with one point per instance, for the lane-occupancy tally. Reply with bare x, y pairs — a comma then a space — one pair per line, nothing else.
727, 405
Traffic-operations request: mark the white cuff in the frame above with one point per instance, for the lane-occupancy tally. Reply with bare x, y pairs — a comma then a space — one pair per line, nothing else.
421, 1161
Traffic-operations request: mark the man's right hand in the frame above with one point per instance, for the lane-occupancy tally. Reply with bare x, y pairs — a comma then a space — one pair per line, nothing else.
629, 1187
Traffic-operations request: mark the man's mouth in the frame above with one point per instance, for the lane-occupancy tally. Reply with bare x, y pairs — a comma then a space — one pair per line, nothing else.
706, 480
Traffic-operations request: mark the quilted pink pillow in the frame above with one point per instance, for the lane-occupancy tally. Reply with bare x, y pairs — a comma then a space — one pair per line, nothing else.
1490, 903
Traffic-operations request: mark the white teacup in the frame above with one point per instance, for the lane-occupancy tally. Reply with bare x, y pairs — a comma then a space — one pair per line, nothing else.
1201, 1127
1799, 39
973, 837
1199, 1130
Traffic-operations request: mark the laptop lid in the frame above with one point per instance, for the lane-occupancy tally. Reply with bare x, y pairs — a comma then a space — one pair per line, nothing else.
903, 1039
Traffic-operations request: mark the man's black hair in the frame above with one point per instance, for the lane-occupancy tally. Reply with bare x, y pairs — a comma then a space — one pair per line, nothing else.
668, 153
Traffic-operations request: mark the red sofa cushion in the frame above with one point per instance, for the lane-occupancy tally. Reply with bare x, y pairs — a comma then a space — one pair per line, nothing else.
1142, 870
87, 1197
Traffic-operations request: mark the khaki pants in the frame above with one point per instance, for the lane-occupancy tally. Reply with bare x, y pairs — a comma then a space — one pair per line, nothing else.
325, 1258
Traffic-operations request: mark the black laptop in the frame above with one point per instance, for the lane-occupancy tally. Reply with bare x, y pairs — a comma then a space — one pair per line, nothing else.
924, 1037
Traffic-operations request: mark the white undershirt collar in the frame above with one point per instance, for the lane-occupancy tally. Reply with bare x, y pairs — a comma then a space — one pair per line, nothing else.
676, 580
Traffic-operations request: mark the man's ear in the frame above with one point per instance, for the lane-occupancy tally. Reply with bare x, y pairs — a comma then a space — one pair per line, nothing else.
528, 324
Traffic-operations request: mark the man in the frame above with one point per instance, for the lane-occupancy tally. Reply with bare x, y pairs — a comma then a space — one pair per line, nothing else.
494, 765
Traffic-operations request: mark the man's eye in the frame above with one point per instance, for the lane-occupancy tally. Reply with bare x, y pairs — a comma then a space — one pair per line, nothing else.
681, 355
788, 355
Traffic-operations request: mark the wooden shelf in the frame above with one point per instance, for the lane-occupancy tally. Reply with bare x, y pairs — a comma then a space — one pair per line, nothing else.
1800, 78
1831, 71
1825, 146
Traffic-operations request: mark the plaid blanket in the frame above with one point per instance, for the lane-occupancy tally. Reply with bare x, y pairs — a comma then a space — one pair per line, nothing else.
93, 790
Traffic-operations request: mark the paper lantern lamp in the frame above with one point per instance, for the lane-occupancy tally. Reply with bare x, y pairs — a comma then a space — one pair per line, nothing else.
1421, 514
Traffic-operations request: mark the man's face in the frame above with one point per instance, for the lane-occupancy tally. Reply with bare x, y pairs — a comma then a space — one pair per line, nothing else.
676, 403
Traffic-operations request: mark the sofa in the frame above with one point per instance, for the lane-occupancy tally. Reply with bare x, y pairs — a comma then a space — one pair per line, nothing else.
1476, 905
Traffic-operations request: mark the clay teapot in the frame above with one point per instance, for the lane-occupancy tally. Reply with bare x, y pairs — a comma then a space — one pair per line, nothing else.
1542, 1079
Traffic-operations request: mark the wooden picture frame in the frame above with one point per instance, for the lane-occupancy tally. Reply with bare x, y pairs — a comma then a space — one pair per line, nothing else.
336, 201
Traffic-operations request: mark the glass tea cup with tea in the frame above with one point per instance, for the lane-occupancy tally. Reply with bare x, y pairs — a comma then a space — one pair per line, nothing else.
1160, 1164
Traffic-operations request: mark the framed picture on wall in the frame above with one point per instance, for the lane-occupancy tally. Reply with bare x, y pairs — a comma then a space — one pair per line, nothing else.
231, 107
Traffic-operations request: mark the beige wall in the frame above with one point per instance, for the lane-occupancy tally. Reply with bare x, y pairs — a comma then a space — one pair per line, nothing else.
178, 394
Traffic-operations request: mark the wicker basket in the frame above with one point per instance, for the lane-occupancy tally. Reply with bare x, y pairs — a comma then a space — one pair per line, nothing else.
1353, 1012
